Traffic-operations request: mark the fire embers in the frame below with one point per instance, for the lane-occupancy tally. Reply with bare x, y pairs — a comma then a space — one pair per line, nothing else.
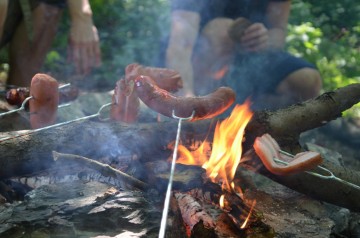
44, 91
125, 100
221, 163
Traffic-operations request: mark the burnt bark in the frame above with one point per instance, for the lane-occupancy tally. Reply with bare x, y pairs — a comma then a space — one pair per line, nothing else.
31, 153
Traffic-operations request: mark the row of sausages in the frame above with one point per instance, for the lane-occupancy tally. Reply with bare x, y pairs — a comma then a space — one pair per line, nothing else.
153, 86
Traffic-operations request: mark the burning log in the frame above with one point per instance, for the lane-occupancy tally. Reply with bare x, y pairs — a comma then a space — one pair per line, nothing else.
193, 213
31, 153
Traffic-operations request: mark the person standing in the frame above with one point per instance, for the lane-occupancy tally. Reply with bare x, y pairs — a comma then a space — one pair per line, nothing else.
30, 26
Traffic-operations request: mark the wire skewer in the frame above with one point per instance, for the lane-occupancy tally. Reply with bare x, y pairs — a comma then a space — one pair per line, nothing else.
329, 176
172, 171
22, 107
98, 114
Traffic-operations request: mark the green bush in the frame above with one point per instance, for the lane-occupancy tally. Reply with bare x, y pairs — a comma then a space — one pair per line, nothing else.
328, 35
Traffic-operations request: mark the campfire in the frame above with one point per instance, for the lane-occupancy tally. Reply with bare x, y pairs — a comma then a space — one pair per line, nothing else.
120, 173
225, 153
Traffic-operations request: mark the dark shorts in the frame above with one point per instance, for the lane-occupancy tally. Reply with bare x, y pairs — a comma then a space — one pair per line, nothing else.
256, 74
15, 15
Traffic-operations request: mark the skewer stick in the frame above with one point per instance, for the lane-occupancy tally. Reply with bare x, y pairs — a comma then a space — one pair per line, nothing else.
22, 107
172, 171
330, 174
98, 114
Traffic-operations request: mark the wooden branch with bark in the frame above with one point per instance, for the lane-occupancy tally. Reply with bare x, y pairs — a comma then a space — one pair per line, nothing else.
31, 153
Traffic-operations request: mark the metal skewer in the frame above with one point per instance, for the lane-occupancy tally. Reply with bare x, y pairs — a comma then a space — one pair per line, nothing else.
22, 107
172, 170
329, 176
98, 114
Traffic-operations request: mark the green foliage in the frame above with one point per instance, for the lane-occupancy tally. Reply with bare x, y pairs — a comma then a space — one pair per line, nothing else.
328, 35
130, 31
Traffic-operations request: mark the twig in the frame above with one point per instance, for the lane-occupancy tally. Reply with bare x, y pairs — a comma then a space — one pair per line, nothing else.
104, 169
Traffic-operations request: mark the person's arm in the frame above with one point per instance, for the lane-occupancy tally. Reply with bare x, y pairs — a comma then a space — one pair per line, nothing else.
277, 16
257, 37
184, 31
84, 49
3, 13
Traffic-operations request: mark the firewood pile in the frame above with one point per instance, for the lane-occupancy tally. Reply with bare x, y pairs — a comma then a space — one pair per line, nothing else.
100, 178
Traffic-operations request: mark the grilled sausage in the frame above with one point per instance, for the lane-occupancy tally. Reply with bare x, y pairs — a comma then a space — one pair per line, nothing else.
44, 90
267, 149
163, 102
16, 96
126, 103
167, 79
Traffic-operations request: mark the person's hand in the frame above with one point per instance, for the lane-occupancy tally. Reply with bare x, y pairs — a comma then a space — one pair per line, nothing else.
84, 49
255, 38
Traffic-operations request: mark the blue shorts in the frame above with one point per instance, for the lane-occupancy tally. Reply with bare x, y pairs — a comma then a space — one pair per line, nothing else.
256, 74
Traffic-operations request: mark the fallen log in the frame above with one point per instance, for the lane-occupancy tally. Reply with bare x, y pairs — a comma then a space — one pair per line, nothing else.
286, 125
31, 153
329, 190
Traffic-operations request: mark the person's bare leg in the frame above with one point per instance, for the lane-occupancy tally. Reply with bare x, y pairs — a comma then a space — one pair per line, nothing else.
301, 85
26, 58
215, 52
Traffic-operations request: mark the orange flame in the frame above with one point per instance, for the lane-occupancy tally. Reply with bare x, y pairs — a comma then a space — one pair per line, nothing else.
248, 217
221, 72
197, 157
221, 201
226, 151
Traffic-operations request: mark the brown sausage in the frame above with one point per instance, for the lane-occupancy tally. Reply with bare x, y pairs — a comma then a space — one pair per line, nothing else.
68, 94
16, 96
163, 102
126, 103
43, 106
167, 79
